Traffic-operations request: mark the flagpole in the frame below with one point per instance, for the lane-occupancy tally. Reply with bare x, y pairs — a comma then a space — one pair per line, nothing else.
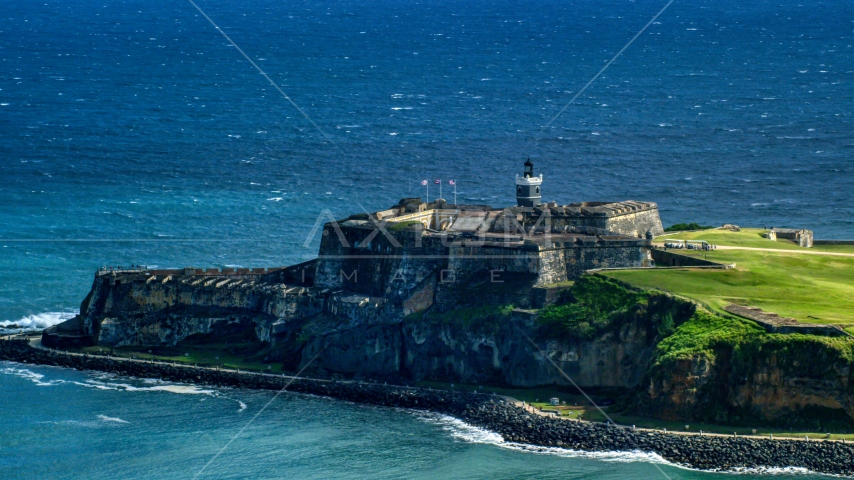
455, 192
440, 188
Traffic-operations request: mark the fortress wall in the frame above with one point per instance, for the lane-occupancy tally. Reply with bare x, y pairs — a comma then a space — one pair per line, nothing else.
374, 266
664, 258
333, 252
299, 274
552, 266
131, 310
636, 224
633, 224
463, 259
559, 222
605, 255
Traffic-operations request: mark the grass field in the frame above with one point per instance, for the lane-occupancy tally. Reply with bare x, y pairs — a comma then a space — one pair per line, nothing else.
809, 288
748, 237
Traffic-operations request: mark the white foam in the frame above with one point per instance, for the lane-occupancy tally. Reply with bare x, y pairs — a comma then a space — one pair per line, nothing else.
462, 431
468, 433
30, 375
242, 406
772, 471
159, 387
112, 419
39, 320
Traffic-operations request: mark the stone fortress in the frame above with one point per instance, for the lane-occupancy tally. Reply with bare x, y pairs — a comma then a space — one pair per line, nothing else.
377, 267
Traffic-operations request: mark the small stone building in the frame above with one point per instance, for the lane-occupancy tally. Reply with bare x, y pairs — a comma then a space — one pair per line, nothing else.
801, 236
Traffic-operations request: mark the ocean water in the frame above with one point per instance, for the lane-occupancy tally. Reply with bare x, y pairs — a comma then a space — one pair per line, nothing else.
133, 133
113, 427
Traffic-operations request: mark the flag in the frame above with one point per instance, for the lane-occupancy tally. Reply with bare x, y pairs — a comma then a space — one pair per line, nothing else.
452, 182
437, 182
423, 182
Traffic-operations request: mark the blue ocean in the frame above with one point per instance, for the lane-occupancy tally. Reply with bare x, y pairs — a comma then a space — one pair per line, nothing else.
135, 133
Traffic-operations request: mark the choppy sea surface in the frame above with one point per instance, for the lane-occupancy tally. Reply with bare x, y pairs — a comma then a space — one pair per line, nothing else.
133, 133
69, 424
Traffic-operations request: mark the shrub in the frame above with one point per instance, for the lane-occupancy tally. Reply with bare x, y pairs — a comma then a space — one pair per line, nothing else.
679, 227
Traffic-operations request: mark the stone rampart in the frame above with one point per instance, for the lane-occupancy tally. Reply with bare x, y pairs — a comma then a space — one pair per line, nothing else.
664, 258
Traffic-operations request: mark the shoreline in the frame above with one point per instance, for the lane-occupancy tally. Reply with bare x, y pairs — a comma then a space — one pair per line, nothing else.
494, 413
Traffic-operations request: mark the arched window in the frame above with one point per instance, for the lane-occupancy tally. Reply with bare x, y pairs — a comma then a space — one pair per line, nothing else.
538, 189
518, 190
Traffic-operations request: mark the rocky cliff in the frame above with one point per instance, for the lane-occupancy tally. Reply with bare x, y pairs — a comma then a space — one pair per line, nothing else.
682, 363
732, 371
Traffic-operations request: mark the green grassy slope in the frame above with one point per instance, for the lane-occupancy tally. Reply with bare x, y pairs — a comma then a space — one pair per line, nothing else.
809, 288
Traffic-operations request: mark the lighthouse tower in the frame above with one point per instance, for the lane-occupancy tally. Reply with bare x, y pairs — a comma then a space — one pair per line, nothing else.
528, 187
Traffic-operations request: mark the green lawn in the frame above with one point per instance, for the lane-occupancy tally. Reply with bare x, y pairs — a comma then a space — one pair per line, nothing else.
748, 237
809, 288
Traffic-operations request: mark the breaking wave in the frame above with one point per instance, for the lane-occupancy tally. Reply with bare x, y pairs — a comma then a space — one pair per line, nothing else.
38, 321
102, 382
462, 431
111, 419
30, 375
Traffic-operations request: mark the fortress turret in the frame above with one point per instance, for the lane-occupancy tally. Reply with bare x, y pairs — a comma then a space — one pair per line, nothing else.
528, 187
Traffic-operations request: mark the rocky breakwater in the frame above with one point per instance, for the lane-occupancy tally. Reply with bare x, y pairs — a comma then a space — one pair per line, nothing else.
497, 414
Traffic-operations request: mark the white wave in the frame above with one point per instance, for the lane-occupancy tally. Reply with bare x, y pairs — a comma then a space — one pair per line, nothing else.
468, 433
112, 419
160, 387
460, 430
242, 406
30, 375
39, 320
275, 199
179, 389
772, 471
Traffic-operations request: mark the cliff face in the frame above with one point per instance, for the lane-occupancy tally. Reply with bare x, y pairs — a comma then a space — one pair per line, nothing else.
367, 336
428, 349
685, 364
795, 381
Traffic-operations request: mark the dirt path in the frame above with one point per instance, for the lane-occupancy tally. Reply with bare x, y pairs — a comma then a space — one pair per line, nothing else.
806, 251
